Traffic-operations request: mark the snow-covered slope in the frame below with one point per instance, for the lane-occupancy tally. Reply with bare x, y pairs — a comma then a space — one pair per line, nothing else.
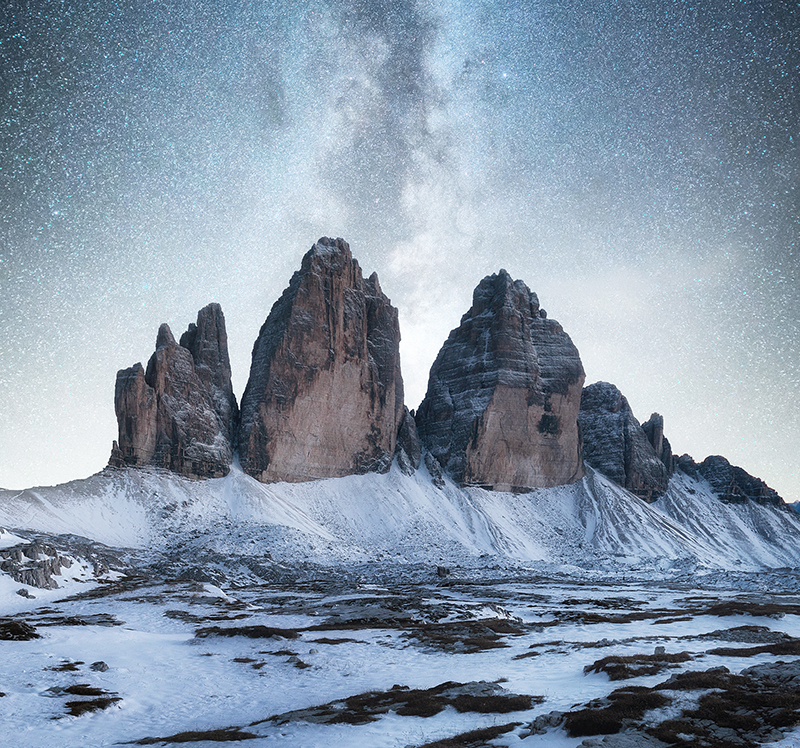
395, 517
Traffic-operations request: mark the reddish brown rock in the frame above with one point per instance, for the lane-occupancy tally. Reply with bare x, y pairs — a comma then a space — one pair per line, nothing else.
504, 393
180, 413
325, 394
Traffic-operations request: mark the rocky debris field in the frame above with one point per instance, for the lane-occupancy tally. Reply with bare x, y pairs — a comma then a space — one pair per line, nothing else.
436, 658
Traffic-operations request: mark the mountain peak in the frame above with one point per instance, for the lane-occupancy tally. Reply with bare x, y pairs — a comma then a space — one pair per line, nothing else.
503, 394
179, 413
325, 393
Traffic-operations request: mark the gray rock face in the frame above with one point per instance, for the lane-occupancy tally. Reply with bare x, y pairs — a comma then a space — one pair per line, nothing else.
180, 413
615, 444
654, 430
408, 448
735, 485
34, 564
207, 341
325, 393
503, 394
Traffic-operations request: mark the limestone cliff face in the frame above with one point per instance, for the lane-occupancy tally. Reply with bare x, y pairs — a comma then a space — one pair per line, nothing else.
179, 414
408, 449
504, 393
325, 393
615, 444
207, 341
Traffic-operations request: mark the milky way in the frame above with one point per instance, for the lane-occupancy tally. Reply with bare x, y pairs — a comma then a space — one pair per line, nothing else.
636, 163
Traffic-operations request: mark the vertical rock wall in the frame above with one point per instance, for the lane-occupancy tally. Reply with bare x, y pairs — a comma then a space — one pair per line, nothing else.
325, 393
504, 393
615, 444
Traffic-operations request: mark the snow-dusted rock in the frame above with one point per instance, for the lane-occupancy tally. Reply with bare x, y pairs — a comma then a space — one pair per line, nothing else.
325, 393
207, 341
179, 414
615, 444
503, 394
408, 449
654, 429
734, 484
34, 564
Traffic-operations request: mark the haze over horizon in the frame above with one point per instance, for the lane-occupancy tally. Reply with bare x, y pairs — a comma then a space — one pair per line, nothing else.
636, 164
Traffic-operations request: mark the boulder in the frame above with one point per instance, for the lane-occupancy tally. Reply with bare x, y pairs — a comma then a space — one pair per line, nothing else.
503, 394
615, 444
179, 413
325, 394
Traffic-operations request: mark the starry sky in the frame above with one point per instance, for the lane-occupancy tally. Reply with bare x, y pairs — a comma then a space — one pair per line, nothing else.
635, 163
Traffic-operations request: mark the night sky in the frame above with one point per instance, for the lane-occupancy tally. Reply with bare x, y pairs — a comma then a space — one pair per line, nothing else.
635, 163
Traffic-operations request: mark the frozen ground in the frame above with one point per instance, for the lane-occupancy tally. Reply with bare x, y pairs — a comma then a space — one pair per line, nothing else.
330, 614
173, 669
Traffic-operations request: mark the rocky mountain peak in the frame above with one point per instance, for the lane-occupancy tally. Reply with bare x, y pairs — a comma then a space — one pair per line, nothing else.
504, 393
732, 484
180, 412
165, 338
654, 430
325, 393
207, 341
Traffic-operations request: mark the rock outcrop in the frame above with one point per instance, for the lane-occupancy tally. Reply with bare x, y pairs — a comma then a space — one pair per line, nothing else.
615, 444
654, 430
503, 394
179, 413
207, 341
408, 449
732, 484
325, 393
34, 564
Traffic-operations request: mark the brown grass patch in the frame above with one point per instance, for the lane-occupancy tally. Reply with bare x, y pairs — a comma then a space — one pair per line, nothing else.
67, 666
497, 704
696, 680
84, 689
473, 738
251, 632
478, 697
626, 705
467, 637
622, 667
752, 608
219, 736
778, 648
327, 640
77, 708
17, 631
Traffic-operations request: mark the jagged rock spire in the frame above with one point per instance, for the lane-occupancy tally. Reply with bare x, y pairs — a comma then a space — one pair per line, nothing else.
180, 413
325, 393
637, 458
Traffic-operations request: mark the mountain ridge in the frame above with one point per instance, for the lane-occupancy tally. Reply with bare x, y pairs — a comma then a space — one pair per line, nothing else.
522, 464
402, 519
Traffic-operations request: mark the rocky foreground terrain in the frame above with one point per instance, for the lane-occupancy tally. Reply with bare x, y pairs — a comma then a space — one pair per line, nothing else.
382, 655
